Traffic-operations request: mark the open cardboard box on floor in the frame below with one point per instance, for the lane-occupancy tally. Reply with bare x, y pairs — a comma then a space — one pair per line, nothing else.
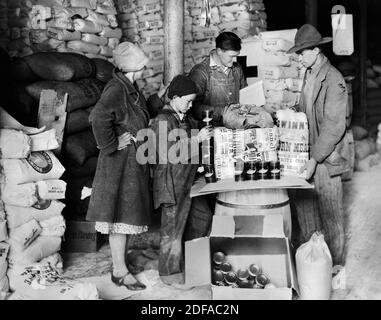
245, 240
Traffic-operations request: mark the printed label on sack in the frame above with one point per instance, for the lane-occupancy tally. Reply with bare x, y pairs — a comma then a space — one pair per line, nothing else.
40, 161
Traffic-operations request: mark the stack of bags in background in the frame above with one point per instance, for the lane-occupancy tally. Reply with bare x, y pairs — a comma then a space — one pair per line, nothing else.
4, 31
142, 22
367, 149
88, 27
245, 18
30, 189
83, 79
4, 248
373, 110
280, 72
373, 73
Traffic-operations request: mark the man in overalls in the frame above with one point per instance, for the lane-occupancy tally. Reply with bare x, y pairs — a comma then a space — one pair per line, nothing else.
218, 78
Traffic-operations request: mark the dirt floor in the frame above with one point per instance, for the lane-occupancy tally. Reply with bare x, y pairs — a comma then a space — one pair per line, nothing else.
362, 199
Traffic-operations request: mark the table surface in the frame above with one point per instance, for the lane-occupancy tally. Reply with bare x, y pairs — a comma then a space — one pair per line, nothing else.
200, 187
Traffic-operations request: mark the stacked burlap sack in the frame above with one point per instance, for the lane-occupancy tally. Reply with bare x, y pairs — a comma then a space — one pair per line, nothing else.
245, 18
281, 73
142, 22
87, 27
30, 189
367, 149
83, 79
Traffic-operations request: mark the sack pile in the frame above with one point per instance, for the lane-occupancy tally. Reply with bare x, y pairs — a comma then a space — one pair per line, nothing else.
142, 22
367, 149
293, 142
31, 189
245, 18
44, 281
281, 73
88, 27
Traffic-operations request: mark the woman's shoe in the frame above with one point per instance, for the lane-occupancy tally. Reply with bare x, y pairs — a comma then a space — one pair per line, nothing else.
119, 281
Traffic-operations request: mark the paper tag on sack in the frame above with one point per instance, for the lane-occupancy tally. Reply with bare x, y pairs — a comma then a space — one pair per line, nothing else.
342, 30
86, 192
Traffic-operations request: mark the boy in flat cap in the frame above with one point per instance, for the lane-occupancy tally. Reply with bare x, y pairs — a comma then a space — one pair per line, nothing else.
324, 99
175, 171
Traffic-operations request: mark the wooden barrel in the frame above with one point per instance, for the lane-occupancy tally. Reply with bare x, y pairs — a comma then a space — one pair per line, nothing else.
256, 202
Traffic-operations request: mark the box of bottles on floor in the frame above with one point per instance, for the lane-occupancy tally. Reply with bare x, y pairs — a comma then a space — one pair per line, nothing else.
244, 258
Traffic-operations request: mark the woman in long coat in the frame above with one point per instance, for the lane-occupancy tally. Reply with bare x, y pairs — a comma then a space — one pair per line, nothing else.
121, 202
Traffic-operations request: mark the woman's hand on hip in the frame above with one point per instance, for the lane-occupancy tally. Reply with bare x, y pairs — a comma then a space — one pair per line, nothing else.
124, 140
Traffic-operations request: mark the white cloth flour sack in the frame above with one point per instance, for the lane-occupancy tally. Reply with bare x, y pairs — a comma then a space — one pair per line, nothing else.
42, 165
24, 235
14, 144
44, 141
293, 142
42, 210
51, 189
22, 195
39, 249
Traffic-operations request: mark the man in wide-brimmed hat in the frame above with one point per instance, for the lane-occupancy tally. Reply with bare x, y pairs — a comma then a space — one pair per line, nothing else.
324, 100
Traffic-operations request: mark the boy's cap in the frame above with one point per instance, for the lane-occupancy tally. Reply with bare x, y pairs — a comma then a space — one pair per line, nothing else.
181, 86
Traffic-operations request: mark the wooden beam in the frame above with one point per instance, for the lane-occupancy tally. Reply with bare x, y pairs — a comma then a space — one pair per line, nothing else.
173, 39
311, 7
363, 41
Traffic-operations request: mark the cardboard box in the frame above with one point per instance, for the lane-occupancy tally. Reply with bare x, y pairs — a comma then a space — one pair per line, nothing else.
80, 236
245, 240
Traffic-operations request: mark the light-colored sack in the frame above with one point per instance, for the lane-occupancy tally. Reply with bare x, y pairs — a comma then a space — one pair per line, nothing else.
82, 46
41, 281
87, 26
94, 39
276, 45
89, 4
108, 32
22, 236
106, 9
98, 18
368, 162
283, 96
54, 227
3, 230
51, 189
39, 249
63, 34
4, 285
293, 142
4, 248
21, 195
288, 35
106, 51
314, 269
16, 216
44, 141
268, 72
365, 147
14, 144
42, 165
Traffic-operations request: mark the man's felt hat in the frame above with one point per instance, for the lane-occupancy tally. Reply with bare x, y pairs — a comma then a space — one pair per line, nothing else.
308, 37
